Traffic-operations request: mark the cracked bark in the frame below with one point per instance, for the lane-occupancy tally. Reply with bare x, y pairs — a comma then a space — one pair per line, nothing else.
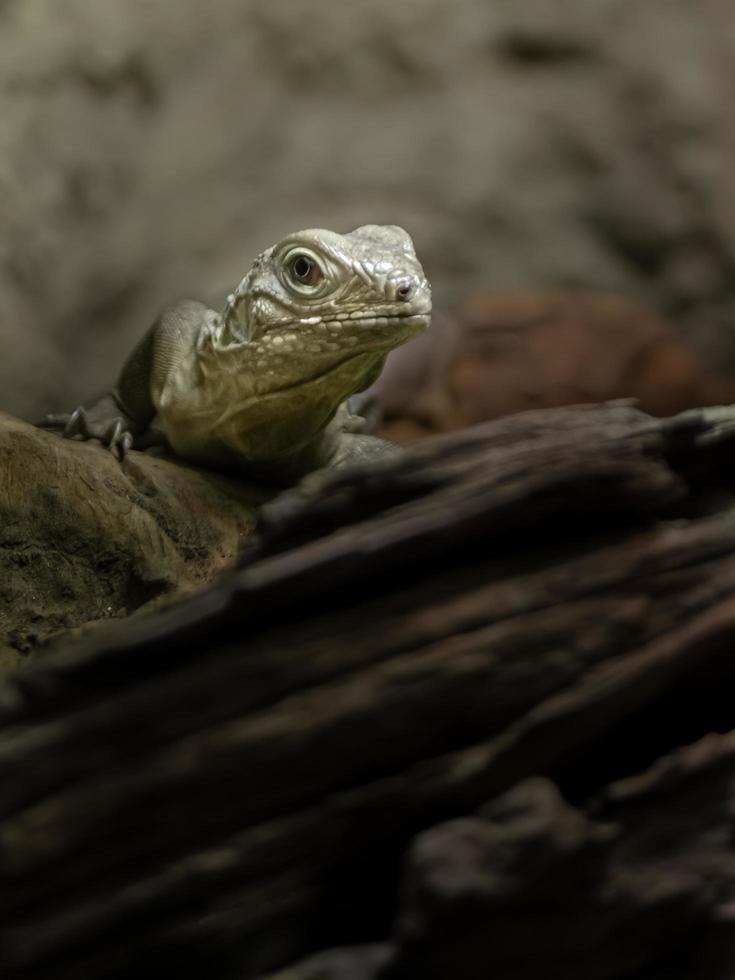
232, 782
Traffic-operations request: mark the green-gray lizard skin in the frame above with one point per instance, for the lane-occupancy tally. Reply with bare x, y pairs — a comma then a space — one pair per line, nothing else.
262, 388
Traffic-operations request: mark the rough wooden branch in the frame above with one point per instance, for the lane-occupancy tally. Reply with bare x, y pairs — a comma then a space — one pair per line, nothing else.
232, 781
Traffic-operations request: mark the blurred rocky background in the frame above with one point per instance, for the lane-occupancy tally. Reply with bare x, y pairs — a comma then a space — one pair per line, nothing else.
150, 149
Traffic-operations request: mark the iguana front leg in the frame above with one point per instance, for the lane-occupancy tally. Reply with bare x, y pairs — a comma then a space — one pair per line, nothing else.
121, 419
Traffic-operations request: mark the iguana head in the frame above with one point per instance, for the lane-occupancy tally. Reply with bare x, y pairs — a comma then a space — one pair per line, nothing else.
318, 300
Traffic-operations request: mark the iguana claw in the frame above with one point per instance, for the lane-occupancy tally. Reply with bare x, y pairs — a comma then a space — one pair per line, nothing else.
111, 432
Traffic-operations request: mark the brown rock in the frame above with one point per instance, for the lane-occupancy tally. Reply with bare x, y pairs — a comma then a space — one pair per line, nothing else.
508, 352
83, 538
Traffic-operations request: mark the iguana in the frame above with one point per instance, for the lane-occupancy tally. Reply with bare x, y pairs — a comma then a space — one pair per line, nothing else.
263, 387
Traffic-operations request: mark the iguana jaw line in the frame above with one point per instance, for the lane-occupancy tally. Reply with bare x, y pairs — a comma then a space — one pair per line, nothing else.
411, 324
371, 279
359, 318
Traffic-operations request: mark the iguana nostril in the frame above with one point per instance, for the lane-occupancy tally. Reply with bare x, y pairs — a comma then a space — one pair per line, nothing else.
405, 290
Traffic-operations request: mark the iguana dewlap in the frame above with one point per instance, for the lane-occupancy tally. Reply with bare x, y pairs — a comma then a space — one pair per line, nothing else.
263, 387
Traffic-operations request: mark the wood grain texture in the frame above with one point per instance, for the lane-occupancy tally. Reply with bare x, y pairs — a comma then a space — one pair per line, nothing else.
232, 782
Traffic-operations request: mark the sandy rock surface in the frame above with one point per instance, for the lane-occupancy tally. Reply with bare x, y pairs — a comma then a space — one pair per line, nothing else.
83, 538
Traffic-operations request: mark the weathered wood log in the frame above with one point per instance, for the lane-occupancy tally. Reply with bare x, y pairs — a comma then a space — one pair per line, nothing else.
84, 538
530, 886
228, 783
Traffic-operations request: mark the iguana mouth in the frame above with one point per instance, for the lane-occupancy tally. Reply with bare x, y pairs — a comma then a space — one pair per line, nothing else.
386, 320
361, 319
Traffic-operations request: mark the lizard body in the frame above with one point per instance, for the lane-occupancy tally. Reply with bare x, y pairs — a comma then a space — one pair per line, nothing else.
262, 387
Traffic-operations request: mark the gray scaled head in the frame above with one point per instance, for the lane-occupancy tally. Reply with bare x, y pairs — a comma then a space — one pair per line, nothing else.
326, 294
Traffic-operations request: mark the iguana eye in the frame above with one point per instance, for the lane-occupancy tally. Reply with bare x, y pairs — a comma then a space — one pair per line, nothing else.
304, 269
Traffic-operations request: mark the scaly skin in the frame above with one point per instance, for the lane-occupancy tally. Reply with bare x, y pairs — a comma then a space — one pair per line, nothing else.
263, 387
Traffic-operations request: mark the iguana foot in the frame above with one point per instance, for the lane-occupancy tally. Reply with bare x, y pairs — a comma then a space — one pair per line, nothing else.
114, 433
